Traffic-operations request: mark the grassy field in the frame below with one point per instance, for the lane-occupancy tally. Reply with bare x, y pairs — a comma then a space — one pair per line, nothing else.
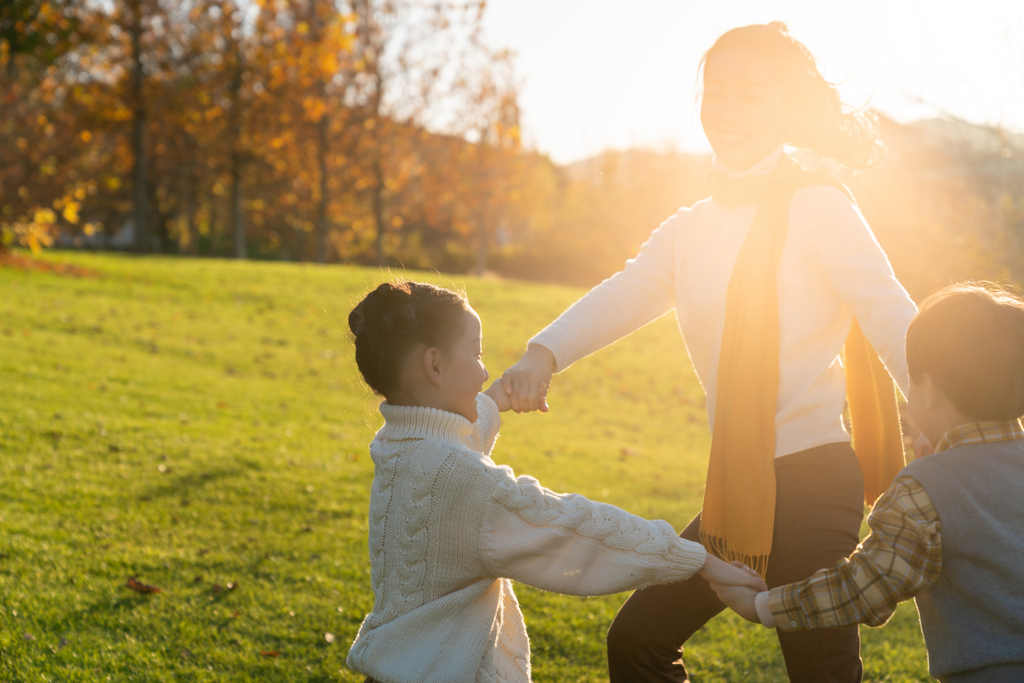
200, 425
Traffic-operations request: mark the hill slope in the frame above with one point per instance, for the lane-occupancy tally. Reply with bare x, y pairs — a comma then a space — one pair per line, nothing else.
200, 425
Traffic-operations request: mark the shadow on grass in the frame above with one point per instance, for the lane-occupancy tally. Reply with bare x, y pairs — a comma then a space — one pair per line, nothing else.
193, 482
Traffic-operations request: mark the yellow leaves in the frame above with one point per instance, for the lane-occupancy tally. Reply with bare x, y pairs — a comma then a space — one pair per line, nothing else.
315, 108
34, 234
49, 166
70, 212
44, 217
86, 136
370, 124
397, 221
302, 28
90, 229
112, 182
212, 113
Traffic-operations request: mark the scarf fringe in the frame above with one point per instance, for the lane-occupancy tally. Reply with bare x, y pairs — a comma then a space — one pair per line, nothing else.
719, 547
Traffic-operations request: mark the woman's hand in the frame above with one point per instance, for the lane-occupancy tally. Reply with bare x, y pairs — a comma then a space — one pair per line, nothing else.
722, 573
504, 402
526, 382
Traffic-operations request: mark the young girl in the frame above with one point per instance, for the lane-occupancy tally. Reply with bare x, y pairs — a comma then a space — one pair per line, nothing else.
770, 277
449, 528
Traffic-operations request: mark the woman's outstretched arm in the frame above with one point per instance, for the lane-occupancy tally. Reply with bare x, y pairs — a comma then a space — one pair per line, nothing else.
633, 297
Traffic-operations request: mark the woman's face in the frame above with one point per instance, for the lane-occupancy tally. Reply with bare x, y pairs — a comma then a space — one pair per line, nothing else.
742, 109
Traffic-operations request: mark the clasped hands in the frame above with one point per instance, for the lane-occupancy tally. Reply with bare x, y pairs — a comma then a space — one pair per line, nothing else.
736, 585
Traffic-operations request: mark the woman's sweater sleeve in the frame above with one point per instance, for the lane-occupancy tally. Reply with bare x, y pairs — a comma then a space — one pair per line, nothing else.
568, 544
628, 300
859, 271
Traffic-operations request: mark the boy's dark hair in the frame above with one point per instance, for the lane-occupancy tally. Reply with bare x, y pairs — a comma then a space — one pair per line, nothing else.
394, 319
969, 338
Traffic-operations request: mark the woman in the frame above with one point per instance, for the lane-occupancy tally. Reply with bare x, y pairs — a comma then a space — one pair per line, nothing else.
770, 278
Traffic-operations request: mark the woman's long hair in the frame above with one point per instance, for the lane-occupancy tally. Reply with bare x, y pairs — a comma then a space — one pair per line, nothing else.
822, 124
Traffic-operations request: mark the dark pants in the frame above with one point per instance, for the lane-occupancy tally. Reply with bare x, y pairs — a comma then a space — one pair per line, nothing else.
818, 510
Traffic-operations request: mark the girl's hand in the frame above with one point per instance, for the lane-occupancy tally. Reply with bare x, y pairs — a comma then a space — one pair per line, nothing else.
526, 382
722, 573
498, 395
740, 599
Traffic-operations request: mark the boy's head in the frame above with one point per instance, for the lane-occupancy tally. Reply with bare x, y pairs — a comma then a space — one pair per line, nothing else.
967, 344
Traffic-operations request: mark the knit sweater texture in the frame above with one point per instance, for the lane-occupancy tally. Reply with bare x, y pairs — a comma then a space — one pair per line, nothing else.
449, 529
830, 270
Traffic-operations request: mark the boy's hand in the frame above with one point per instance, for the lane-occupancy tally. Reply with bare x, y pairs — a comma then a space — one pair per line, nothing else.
527, 381
722, 573
740, 599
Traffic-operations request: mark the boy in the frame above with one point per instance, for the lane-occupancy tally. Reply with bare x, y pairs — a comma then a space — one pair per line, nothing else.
949, 531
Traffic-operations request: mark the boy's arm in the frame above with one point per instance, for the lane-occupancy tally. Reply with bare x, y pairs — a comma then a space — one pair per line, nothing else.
901, 556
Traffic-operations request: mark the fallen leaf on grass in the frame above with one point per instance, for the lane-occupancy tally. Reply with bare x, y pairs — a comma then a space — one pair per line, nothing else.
270, 653
140, 587
329, 637
203, 551
28, 636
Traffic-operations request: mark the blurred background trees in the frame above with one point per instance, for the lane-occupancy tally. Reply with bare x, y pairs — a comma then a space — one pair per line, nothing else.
387, 132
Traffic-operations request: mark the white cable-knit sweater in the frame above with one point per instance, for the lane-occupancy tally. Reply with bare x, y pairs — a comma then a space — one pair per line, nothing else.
448, 530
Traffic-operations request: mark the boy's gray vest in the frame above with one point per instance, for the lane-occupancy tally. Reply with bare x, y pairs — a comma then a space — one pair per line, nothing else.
973, 616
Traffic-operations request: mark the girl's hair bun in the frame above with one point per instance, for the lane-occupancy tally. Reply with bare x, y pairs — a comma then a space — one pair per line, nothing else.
392, 320
385, 309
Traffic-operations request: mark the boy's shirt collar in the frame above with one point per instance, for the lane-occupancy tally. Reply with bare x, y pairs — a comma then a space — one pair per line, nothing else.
980, 432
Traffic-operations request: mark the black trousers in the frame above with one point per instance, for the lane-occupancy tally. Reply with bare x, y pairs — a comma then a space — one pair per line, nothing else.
818, 511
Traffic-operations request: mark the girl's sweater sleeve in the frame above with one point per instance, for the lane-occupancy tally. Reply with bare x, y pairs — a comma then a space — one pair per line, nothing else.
628, 300
485, 429
568, 544
859, 271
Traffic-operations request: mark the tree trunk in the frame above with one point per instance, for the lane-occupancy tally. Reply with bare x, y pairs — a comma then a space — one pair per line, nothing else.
483, 213
143, 241
237, 224
378, 209
190, 223
321, 209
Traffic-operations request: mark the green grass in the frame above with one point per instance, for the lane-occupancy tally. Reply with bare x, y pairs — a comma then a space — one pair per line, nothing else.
200, 423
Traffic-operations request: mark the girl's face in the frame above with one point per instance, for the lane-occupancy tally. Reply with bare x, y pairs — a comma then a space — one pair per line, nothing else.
742, 109
463, 373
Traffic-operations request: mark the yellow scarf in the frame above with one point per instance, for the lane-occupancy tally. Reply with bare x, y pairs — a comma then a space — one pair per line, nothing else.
739, 499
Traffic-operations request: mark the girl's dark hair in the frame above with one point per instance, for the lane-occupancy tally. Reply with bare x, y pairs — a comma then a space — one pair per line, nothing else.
823, 125
392, 320
969, 337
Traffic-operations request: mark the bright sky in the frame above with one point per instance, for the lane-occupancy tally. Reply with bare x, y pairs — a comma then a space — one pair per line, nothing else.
599, 74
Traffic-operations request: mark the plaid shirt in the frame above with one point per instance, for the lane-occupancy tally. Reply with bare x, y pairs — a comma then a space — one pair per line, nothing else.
901, 556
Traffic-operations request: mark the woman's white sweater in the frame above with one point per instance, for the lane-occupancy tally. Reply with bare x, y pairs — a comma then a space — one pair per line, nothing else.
831, 269
448, 530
